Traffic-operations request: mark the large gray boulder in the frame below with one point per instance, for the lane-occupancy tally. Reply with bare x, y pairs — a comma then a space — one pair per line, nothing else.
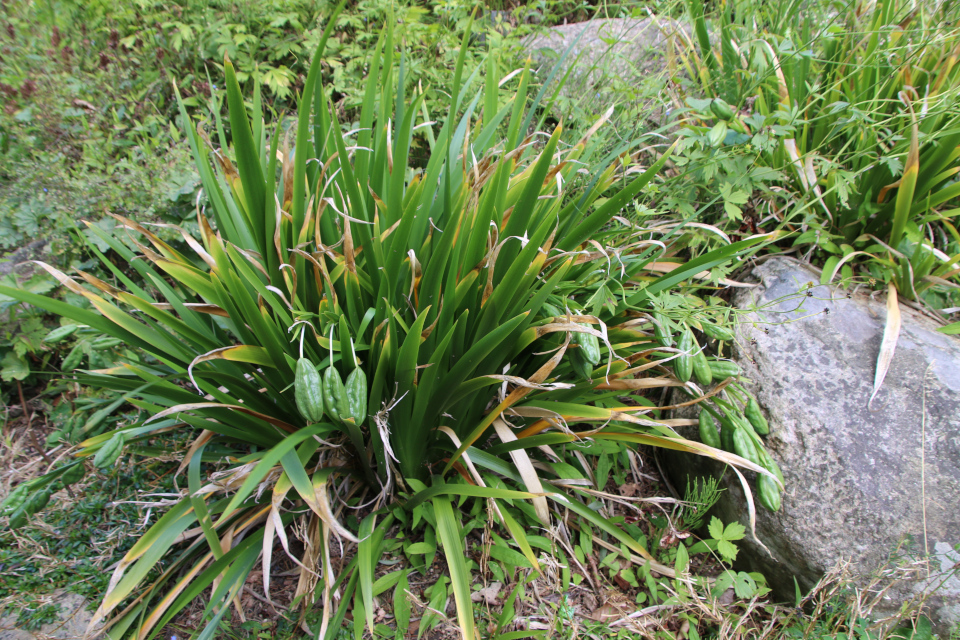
868, 485
617, 59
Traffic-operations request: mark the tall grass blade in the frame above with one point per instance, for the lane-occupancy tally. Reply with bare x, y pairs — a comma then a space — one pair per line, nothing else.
891, 332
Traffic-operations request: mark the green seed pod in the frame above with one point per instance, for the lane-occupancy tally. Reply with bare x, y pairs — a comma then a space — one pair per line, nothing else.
593, 278
61, 333
72, 361
744, 447
580, 366
110, 451
701, 368
16, 499
744, 424
36, 502
721, 109
683, 364
753, 414
95, 420
334, 395
105, 342
18, 518
768, 493
356, 389
661, 331
550, 310
717, 134
589, 346
723, 369
708, 431
73, 475
727, 428
308, 391
717, 332
95, 360
770, 464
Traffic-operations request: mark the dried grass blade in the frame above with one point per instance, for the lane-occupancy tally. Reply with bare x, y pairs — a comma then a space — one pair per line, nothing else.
526, 470
891, 332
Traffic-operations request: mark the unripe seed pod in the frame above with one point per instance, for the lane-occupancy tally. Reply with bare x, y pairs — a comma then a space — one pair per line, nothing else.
60, 333
580, 365
721, 109
589, 346
723, 369
768, 493
105, 342
661, 331
727, 427
335, 395
72, 361
16, 499
708, 431
18, 518
308, 391
717, 332
701, 368
356, 390
38, 501
743, 446
110, 451
550, 310
73, 474
753, 414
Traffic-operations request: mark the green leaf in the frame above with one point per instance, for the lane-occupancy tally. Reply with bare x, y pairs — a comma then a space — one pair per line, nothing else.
367, 565
727, 550
421, 548
744, 586
715, 528
505, 554
449, 533
14, 367
401, 604
734, 531
950, 329
682, 561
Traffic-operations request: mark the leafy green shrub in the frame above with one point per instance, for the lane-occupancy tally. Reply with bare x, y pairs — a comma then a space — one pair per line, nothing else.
479, 309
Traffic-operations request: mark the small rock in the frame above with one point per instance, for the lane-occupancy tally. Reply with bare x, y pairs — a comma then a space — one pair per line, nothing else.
487, 595
19, 261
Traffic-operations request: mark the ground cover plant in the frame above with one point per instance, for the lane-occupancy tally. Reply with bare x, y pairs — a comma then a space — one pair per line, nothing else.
369, 341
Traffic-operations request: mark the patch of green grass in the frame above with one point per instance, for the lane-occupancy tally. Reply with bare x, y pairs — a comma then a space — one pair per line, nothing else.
73, 543
34, 614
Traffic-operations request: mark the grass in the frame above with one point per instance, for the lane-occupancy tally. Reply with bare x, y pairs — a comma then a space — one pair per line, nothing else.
85, 531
